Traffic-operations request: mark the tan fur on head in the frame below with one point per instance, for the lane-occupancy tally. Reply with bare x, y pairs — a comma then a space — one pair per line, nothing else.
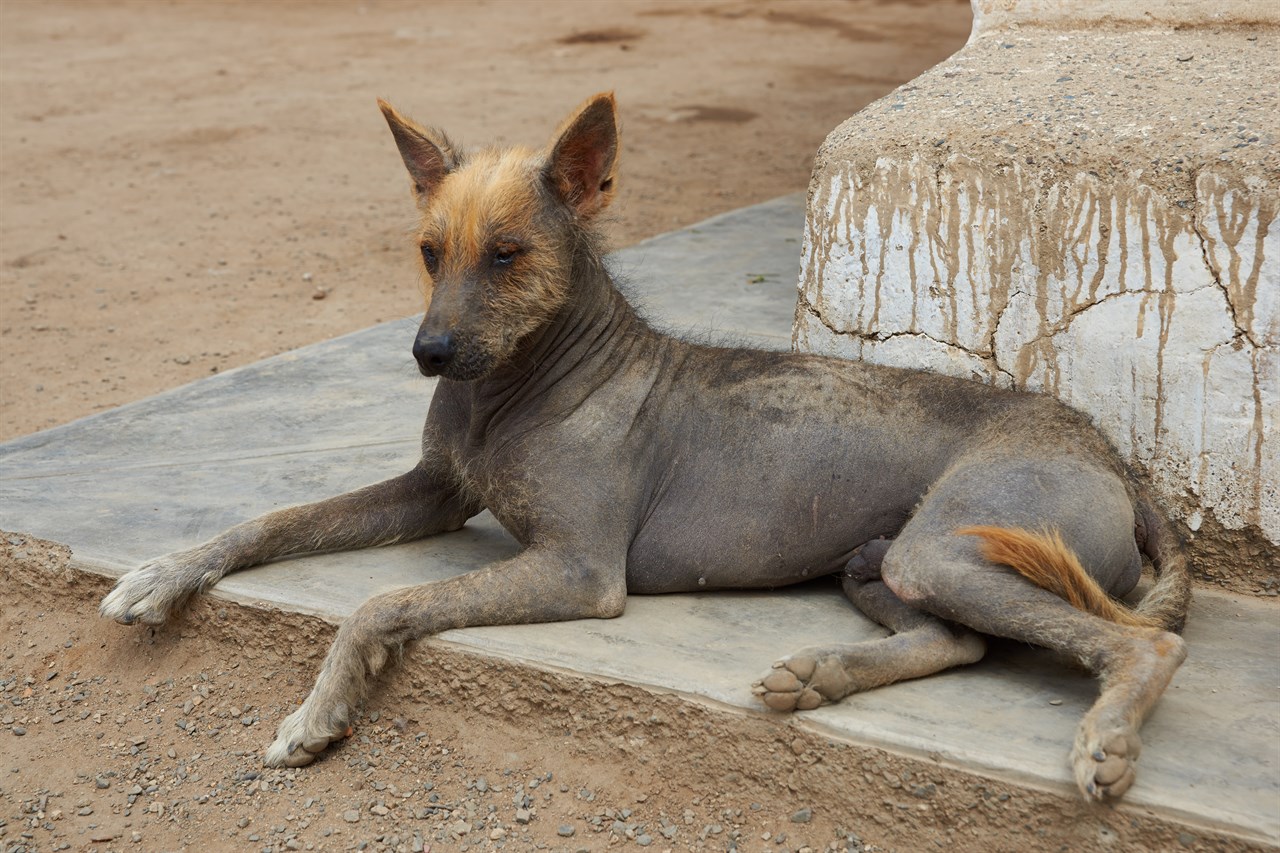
502, 229
491, 202
1045, 560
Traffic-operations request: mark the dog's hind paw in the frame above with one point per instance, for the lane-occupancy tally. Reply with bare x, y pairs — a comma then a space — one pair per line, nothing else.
149, 593
789, 687
1104, 762
304, 735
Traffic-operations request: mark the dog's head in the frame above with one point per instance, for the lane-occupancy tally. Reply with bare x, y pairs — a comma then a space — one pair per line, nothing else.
499, 231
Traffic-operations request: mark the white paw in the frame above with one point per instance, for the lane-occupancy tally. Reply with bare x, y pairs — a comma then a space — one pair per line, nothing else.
149, 593
305, 734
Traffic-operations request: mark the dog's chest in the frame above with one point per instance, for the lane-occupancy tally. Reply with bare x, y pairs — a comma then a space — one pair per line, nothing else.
494, 479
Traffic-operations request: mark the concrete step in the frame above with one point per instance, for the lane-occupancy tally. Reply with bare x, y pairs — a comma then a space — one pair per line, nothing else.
175, 469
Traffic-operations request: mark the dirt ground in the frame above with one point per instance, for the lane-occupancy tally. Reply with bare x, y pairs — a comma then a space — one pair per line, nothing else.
188, 187
113, 738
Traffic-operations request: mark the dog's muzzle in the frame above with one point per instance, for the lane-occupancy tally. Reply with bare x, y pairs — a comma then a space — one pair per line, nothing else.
434, 353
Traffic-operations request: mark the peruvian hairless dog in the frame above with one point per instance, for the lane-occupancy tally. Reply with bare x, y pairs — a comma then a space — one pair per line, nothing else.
627, 461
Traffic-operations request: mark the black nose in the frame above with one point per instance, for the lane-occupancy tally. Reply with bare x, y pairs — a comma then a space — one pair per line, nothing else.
433, 352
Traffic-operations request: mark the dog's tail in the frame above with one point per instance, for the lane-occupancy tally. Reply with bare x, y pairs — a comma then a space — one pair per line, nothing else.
1045, 560
1169, 597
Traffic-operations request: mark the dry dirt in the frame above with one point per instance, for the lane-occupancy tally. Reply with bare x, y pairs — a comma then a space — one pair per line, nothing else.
114, 738
189, 187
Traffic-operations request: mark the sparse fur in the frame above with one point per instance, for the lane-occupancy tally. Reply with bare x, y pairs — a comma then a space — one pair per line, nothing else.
627, 461
1045, 560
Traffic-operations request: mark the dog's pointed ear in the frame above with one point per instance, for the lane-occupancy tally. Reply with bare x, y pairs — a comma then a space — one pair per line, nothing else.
584, 157
427, 154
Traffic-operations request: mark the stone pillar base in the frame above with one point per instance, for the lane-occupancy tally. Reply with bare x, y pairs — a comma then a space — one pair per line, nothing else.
1085, 205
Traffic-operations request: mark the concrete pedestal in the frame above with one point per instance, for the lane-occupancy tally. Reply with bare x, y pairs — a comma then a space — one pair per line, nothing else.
1082, 201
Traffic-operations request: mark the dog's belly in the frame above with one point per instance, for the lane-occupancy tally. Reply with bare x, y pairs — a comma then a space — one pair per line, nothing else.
658, 571
697, 547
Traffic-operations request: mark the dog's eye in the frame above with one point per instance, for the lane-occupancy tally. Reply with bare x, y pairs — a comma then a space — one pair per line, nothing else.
429, 258
504, 254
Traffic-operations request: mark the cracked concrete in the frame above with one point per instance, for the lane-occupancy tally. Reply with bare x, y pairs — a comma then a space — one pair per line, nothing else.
1081, 202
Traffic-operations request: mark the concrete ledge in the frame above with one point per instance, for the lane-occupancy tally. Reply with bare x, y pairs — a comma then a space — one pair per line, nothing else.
1082, 202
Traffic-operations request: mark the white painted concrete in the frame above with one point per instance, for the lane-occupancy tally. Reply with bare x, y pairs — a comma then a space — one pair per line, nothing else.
1147, 297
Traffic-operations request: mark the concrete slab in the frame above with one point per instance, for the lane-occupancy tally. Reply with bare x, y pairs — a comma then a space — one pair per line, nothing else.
175, 469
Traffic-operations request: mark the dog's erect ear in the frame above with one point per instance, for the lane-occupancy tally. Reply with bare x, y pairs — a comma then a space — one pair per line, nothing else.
427, 154
584, 156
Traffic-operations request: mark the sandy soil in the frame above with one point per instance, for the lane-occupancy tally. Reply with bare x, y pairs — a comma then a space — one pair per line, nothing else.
120, 739
187, 187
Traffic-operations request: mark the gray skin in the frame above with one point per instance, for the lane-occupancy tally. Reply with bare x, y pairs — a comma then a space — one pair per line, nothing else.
627, 461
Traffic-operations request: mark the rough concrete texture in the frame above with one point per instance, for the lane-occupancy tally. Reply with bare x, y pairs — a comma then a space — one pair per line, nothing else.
171, 471
1089, 212
991, 14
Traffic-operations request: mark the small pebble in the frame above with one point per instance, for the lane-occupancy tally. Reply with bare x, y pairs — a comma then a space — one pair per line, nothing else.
351, 816
565, 831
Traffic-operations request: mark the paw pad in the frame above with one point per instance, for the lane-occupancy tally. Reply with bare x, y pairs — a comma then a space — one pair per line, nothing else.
787, 689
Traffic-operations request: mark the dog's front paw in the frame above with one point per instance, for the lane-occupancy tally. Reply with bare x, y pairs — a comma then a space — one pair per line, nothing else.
790, 686
305, 734
1104, 761
151, 592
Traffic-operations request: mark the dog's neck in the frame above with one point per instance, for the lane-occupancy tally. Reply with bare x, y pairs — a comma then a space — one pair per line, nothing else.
582, 346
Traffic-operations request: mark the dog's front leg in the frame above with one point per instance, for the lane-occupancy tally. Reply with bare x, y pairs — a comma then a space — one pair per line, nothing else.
403, 508
538, 585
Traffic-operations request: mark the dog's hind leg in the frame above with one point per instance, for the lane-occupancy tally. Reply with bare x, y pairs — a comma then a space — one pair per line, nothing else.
407, 507
921, 645
943, 565
538, 585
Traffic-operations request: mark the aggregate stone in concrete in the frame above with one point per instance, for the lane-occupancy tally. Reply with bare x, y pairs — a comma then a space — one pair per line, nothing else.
172, 470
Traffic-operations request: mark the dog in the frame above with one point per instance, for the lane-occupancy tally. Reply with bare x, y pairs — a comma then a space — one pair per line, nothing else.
626, 461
